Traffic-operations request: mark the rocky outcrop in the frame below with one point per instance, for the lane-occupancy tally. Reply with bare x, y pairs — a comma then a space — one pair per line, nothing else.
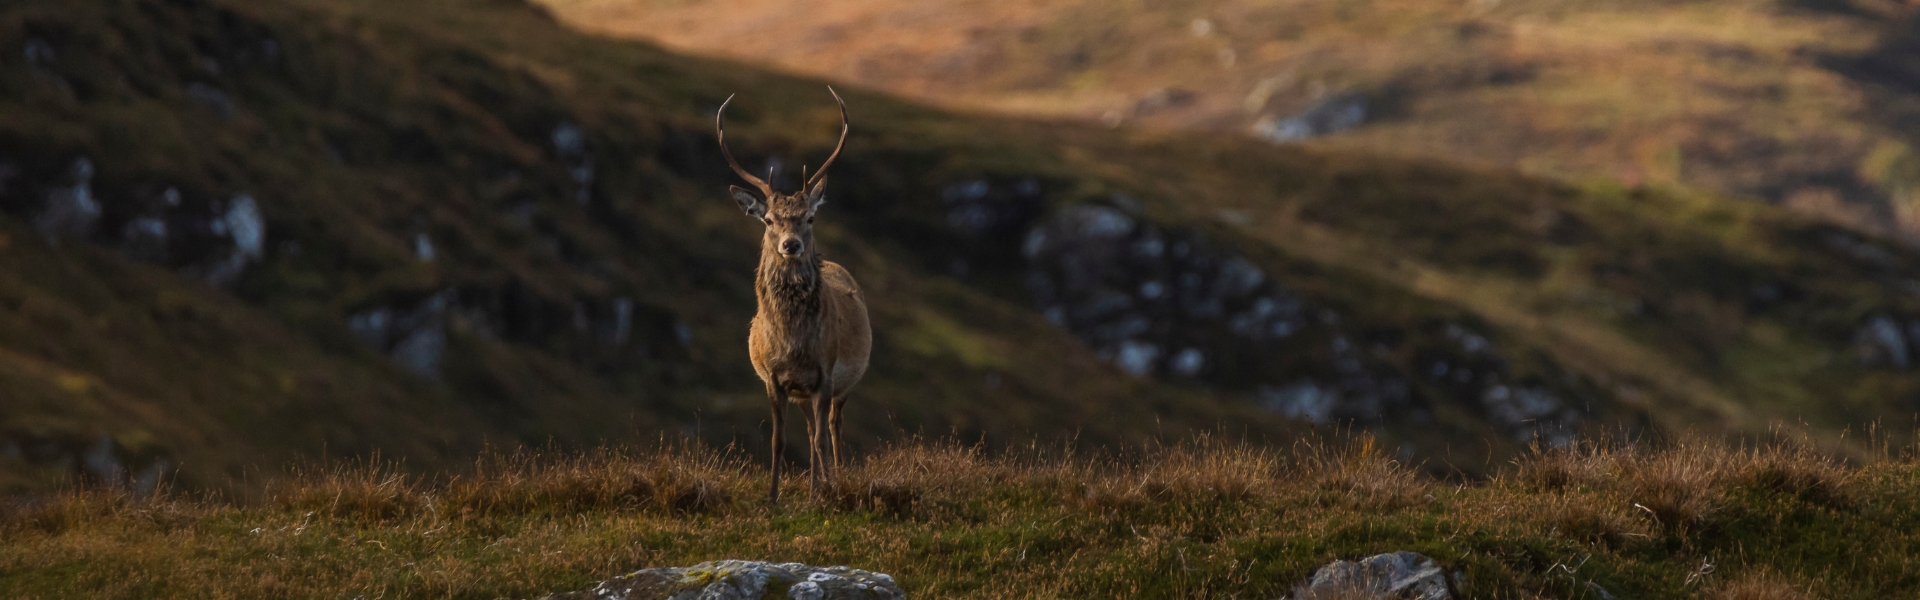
1390, 576
1177, 304
743, 580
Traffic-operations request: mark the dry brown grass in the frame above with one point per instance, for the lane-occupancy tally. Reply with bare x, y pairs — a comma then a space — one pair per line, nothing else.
1682, 485
1760, 585
1201, 519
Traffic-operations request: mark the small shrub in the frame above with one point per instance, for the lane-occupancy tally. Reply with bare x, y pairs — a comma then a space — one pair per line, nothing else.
898, 499
530, 483
1796, 470
910, 478
1552, 469
1681, 487
1360, 475
64, 511
369, 491
1587, 519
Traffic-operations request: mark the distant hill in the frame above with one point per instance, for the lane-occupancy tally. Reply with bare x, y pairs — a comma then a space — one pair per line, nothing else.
239, 234
1809, 104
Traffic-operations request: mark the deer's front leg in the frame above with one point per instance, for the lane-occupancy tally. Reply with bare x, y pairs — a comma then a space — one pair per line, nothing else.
822, 400
778, 398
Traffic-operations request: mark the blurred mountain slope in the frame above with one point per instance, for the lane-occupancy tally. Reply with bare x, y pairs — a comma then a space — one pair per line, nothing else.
237, 234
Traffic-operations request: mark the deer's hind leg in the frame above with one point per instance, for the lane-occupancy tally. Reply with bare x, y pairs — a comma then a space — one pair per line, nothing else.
813, 432
833, 425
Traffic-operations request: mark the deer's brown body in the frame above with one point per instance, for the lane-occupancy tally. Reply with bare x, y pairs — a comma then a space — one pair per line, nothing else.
810, 339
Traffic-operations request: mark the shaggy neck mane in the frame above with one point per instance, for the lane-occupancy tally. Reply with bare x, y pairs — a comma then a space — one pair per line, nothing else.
788, 289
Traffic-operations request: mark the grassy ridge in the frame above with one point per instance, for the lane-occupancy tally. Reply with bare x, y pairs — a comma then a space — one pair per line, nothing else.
1200, 520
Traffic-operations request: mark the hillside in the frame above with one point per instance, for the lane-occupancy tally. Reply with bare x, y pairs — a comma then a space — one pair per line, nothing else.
452, 244
239, 234
1807, 104
1208, 520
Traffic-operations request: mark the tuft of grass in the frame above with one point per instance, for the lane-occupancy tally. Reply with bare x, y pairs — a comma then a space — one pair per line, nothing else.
1760, 585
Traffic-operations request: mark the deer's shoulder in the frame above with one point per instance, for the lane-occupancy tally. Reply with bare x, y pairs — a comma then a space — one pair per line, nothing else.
836, 278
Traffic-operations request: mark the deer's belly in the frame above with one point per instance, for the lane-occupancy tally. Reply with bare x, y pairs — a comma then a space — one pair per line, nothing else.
794, 372
797, 378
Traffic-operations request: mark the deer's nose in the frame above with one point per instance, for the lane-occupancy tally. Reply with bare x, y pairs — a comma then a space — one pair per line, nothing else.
790, 247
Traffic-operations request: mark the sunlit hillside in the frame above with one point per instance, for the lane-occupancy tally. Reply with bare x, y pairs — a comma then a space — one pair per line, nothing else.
1807, 104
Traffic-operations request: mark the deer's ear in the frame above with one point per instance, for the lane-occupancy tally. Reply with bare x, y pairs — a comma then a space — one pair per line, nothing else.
817, 195
749, 202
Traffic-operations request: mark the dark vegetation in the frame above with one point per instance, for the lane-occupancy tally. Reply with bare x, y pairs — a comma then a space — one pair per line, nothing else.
238, 234
1206, 519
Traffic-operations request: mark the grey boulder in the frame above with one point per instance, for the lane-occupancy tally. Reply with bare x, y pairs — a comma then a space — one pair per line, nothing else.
1390, 576
743, 580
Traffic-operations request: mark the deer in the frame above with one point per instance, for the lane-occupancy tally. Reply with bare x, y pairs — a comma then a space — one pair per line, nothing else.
810, 339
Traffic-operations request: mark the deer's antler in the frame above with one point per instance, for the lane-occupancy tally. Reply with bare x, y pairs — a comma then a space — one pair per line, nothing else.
822, 173
720, 127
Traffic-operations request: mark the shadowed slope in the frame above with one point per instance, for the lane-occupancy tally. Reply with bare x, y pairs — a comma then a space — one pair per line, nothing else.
238, 233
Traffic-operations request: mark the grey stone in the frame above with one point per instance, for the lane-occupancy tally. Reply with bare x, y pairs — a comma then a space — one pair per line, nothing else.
1333, 115
423, 248
1880, 341
246, 226
571, 145
742, 580
146, 239
1530, 413
1302, 400
221, 102
242, 223
70, 211
39, 54
1598, 591
102, 461
414, 337
421, 350
568, 140
1390, 576
148, 480
622, 328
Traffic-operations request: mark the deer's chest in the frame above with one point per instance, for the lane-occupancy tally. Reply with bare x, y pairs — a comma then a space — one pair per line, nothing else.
787, 338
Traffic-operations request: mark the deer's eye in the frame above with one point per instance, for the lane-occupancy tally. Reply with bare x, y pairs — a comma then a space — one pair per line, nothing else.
809, 220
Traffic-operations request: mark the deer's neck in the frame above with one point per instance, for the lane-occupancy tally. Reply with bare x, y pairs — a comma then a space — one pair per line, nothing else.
789, 290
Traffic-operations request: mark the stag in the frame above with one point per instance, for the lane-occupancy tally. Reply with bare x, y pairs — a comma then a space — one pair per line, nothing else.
810, 338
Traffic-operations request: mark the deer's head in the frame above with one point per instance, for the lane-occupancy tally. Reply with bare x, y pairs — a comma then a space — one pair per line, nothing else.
788, 217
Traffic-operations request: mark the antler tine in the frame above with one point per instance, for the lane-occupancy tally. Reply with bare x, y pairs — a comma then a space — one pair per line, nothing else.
720, 127
822, 173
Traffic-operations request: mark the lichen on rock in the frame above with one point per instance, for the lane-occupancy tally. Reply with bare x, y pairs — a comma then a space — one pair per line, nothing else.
743, 580
1390, 576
